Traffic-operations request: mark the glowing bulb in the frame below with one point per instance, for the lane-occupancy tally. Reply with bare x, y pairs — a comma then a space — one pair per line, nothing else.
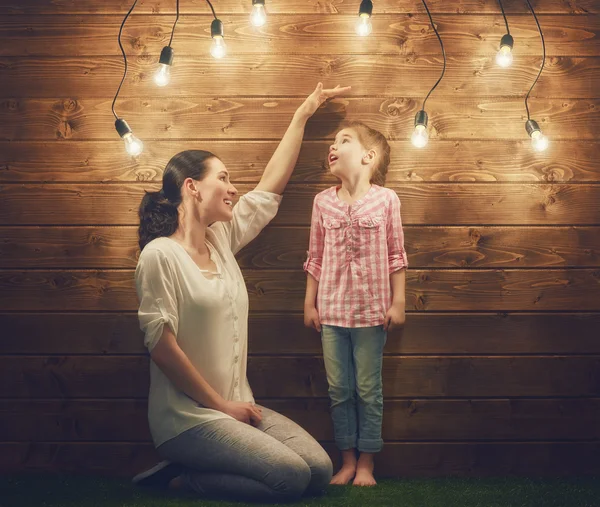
163, 75
133, 145
259, 15
218, 48
363, 25
539, 141
420, 136
504, 57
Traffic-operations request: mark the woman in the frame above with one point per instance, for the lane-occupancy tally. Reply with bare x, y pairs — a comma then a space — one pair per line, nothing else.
194, 312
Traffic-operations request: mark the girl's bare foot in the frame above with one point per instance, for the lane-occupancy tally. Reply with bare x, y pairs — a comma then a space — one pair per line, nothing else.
364, 471
348, 470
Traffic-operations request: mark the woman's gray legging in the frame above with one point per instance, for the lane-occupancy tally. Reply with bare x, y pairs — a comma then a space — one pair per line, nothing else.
275, 461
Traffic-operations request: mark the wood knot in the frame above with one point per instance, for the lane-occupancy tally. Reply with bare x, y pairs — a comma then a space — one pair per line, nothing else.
69, 105
64, 130
475, 236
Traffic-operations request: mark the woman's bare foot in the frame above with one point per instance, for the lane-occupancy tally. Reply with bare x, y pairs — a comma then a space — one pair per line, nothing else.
364, 471
348, 470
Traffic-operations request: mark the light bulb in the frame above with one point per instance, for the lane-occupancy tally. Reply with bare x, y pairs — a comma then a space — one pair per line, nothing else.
163, 75
133, 145
218, 48
420, 136
539, 141
504, 57
363, 25
259, 15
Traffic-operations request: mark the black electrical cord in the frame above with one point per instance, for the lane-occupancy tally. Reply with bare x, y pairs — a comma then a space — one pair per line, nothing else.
124, 58
443, 53
543, 57
174, 24
211, 8
504, 16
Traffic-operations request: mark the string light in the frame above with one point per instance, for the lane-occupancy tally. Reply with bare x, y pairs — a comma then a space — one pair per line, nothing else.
538, 140
163, 74
133, 145
258, 17
363, 25
504, 57
218, 49
420, 136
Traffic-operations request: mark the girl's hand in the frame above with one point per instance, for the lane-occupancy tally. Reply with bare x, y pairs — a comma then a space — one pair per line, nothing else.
311, 318
243, 411
316, 98
395, 317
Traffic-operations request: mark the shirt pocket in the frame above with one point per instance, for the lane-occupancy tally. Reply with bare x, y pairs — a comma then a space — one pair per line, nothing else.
334, 232
370, 229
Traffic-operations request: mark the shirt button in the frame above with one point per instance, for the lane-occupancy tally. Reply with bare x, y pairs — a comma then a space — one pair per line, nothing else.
236, 383
235, 317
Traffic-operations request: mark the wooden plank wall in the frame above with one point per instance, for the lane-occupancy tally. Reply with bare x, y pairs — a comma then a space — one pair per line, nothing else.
498, 369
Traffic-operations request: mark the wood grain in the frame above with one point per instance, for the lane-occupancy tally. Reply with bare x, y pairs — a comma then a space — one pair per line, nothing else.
580, 7
284, 334
467, 76
304, 376
407, 420
283, 291
285, 247
449, 161
237, 118
422, 204
396, 34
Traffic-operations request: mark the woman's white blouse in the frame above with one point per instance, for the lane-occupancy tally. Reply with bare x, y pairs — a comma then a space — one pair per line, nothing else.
207, 312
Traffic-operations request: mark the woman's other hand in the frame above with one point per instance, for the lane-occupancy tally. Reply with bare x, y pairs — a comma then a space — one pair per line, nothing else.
243, 411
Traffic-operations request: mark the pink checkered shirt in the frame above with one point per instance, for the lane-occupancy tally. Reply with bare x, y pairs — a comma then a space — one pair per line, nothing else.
353, 250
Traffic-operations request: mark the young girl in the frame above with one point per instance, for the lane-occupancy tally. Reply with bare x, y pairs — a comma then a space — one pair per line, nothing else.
355, 290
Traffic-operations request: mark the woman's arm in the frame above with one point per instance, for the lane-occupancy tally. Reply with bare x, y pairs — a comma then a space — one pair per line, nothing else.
280, 167
173, 362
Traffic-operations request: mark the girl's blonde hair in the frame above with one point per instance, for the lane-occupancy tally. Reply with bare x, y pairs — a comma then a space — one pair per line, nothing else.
372, 139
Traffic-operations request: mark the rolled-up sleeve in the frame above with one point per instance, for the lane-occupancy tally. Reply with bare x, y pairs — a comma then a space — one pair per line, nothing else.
314, 257
155, 285
251, 215
397, 258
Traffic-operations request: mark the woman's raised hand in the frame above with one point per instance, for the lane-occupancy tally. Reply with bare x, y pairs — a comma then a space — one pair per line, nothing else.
320, 95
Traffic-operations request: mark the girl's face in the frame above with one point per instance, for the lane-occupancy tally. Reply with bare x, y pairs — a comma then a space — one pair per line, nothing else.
346, 155
215, 194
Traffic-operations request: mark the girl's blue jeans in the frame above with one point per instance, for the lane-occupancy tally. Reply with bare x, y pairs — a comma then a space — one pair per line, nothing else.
353, 362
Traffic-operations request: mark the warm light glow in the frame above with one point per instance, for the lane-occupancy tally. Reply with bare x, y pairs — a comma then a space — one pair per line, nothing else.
218, 48
539, 141
420, 136
163, 75
133, 145
363, 25
259, 15
504, 57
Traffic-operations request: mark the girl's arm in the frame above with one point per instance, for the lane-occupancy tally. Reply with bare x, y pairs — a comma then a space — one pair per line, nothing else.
396, 315
280, 167
397, 263
312, 266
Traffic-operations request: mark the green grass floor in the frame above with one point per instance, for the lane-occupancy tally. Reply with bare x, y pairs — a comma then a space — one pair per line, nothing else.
29, 491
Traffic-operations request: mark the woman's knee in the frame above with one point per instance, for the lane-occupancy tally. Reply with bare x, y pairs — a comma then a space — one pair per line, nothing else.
321, 471
290, 479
